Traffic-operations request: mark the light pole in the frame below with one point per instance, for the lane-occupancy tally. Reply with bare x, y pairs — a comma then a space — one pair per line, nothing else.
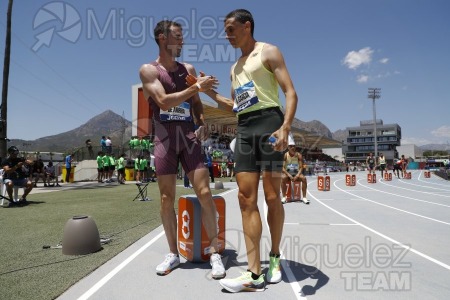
374, 93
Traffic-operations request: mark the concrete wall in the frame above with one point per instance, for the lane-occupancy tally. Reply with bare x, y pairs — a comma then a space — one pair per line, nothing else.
85, 170
409, 150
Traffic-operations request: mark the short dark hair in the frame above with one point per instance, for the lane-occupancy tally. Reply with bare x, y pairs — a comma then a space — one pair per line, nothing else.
13, 149
164, 28
242, 15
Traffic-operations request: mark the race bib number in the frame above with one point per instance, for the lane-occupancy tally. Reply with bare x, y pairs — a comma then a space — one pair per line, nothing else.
292, 168
181, 112
245, 97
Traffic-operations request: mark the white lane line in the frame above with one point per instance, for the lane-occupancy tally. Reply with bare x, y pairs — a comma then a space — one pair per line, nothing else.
407, 197
431, 180
391, 207
295, 285
425, 186
117, 269
427, 257
418, 191
328, 224
122, 265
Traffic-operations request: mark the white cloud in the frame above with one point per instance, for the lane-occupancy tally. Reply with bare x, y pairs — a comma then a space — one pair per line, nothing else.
362, 78
443, 131
384, 60
354, 59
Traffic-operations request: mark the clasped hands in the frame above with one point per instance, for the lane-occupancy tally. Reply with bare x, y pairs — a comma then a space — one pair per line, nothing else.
203, 82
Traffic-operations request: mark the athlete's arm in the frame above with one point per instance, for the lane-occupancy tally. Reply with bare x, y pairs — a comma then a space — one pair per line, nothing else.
273, 60
197, 110
197, 106
153, 88
300, 164
284, 166
222, 102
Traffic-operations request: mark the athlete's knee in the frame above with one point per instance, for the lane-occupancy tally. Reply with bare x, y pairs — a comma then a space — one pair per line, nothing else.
272, 198
247, 202
167, 201
204, 194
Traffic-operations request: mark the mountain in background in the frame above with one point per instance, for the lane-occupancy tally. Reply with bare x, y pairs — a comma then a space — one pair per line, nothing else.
313, 126
340, 135
118, 128
435, 147
107, 123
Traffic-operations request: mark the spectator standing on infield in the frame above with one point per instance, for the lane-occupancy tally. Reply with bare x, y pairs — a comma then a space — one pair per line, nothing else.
89, 147
103, 144
68, 161
121, 169
108, 144
100, 166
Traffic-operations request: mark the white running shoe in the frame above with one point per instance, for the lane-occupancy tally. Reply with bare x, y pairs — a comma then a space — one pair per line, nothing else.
170, 262
304, 200
218, 270
244, 283
274, 273
284, 199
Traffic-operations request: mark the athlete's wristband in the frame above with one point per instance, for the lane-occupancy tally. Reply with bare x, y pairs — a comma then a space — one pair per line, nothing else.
199, 86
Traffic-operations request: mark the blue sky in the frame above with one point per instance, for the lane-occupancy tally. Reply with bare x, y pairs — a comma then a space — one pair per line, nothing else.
75, 59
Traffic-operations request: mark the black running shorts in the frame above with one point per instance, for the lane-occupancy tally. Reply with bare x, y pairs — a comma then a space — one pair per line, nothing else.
253, 152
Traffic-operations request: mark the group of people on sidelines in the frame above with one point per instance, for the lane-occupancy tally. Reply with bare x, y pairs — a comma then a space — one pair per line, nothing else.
399, 165
17, 171
107, 164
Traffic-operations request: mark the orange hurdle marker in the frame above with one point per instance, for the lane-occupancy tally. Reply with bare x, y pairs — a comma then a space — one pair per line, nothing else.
387, 176
320, 183
293, 191
350, 180
297, 186
327, 183
427, 174
371, 178
323, 183
288, 191
193, 242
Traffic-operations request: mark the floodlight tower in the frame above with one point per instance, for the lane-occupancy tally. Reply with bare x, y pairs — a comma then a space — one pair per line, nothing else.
374, 93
